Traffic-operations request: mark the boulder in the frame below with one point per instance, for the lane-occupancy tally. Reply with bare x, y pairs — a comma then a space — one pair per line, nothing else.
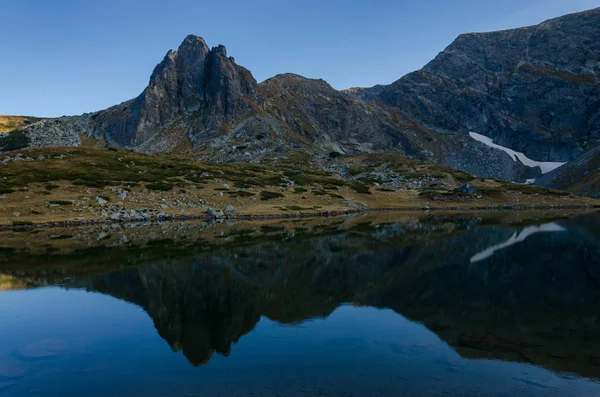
215, 213
100, 200
467, 189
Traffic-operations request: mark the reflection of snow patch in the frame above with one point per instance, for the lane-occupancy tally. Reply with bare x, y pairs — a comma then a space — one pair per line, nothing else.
546, 166
517, 238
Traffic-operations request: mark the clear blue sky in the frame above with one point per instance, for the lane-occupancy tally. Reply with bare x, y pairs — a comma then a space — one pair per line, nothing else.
73, 56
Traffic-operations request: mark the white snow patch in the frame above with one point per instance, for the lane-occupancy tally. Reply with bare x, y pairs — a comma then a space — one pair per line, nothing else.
545, 166
518, 238
530, 181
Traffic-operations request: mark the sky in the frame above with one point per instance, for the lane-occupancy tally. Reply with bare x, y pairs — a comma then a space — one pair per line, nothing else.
65, 57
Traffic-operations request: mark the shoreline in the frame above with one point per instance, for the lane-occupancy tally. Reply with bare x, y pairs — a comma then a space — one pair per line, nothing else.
322, 214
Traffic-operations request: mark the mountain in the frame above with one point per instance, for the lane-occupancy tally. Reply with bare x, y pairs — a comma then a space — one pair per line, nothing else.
201, 103
535, 90
533, 93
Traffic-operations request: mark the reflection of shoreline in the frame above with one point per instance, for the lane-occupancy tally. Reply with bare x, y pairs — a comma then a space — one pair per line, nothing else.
517, 237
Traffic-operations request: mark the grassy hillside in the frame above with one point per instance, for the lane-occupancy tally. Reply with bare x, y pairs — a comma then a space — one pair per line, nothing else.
9, 123
59, 184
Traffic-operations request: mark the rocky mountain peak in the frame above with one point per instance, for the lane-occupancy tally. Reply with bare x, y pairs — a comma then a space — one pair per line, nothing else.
193, 79
220, 50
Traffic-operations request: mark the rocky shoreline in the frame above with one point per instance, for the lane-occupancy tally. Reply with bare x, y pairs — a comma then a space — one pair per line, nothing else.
324, 214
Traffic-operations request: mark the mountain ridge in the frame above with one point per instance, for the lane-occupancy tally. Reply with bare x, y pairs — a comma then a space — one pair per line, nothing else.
534, 90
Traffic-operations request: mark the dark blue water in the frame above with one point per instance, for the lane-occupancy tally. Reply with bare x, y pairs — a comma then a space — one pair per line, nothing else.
495, 311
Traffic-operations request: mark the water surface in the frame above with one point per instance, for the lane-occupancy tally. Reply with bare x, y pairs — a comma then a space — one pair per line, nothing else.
431, 306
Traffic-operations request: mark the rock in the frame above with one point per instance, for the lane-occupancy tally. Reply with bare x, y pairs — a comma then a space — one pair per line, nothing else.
100, 200
215, 213
16, 214
122, 195
220, 194
164, 206
426, 208
102, 236
351, 204
225, 186
467, 189
230, 208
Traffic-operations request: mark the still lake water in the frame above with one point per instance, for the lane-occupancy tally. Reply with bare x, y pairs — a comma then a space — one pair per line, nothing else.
431, 306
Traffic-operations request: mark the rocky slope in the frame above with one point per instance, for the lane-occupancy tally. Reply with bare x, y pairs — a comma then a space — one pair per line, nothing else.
535, 90
581, 176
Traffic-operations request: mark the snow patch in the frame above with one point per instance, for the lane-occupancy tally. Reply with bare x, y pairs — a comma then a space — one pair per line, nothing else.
545, 166
518, 238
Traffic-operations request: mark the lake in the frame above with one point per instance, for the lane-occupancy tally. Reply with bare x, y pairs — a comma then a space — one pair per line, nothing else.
501, 304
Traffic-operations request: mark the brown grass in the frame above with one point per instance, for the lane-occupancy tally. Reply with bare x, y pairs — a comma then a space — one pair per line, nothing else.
188, 187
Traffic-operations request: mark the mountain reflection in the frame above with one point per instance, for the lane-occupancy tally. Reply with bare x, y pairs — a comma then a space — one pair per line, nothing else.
531, 300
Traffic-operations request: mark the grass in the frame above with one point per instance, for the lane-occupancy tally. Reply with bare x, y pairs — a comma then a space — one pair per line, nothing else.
360, 188
21, 223
13, 140
271, 229
164, 187
240, 193
9, 123
5, 189
265, 195
99, 168
82, 173
60, 202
